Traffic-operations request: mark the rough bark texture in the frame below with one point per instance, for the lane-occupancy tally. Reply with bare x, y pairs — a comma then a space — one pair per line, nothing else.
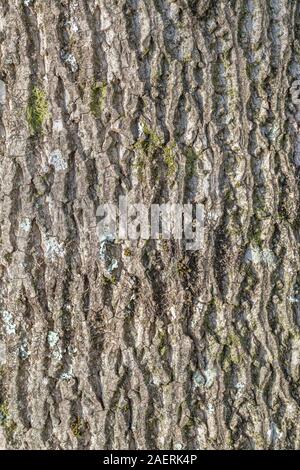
162, 101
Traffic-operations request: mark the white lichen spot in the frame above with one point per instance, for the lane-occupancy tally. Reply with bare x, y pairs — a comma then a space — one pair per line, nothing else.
173, 312
9, 325
57, 354
297, 151
106, 238
140, 129
53, 248
113, 265
52, 339
200, 306
24, 353
70, 60
58, 125
198, 378
257, 256
2, 92
27, 2
210, 375
56, 159
240, 386
25, 224
274, 433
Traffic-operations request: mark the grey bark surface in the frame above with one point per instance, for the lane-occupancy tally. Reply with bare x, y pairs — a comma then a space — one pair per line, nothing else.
161, 101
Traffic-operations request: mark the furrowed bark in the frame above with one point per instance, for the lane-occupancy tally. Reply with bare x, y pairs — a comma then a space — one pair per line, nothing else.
144, 345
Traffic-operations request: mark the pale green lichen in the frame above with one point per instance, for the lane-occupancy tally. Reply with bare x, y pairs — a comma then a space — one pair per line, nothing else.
210, 375
169, 158
198, 378
37, 110
109, 280
233, 354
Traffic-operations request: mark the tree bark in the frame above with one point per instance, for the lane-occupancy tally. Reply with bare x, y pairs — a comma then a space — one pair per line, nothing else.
157, 100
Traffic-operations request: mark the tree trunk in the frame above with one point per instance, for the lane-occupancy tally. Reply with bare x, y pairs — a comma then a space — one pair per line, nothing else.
142, 344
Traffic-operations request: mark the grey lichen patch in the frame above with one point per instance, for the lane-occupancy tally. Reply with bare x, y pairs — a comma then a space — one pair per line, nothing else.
56, 159
109, 280
9, 325
24, 352
70, 60
274, 433
146, 148
2, 92
178, 446
127, 252
53, 342
25, 224
198, 378
182, 268
37, 110
258, 256
98, 97
52, 339
4, 413
54, 248
210, 376
2, 353
27, 3
67, 375
113, 265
